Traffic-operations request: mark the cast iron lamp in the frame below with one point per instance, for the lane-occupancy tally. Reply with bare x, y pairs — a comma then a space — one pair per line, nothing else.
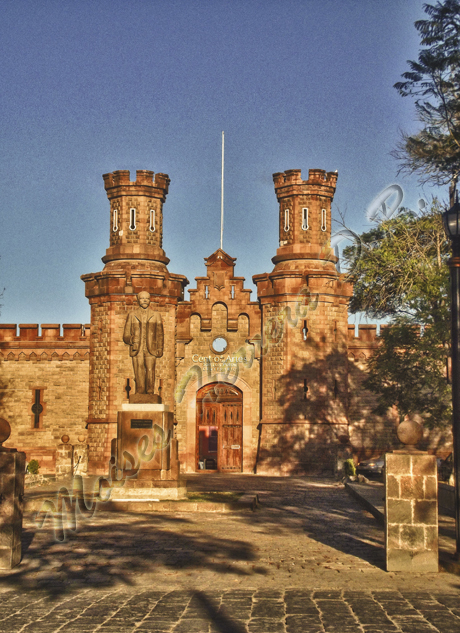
451, 220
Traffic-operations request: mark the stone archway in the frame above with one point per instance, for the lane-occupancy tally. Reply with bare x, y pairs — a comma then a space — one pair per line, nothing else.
219, 428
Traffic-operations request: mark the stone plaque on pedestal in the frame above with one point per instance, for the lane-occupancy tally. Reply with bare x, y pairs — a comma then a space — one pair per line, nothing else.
144, 434
146, 452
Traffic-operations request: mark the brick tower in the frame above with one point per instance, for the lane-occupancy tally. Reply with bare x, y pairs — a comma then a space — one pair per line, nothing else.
134, 262
304, 303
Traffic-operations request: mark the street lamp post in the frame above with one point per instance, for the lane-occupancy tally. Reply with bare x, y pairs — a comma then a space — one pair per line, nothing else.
451, 219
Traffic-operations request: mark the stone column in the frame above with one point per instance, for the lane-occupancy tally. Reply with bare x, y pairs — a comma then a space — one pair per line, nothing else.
64, 454
80, 457
411, 512
12, 467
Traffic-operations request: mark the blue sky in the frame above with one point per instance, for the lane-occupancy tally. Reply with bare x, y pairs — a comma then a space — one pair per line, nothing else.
89, 87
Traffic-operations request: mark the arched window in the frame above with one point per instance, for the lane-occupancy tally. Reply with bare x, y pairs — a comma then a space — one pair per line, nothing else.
115, 220
305, 226
286, 220
323, 219
152, 221
132, 219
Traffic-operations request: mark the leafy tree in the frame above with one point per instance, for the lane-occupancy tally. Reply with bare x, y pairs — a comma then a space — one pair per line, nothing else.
399, 267
434, 81
408, 372
399, 272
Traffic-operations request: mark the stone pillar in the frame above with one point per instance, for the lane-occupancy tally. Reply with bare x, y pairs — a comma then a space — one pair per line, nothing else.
64, 454
80, 457
12, 470
411, 512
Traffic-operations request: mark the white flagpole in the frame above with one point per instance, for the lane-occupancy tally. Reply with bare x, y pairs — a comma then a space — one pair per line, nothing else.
222, 197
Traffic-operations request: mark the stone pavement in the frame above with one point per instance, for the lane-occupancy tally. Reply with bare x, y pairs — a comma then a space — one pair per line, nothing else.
310, 559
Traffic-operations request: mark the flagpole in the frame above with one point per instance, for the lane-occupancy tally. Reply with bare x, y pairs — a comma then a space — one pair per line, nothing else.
222, 197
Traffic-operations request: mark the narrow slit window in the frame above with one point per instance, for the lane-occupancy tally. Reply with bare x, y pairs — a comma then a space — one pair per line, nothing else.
286, 220
305, 226
305, 331
152, 221
323, 219
37, 408
115, 220
132, 219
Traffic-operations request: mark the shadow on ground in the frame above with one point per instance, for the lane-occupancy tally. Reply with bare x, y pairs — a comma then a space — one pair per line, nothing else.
315, 506
113, 548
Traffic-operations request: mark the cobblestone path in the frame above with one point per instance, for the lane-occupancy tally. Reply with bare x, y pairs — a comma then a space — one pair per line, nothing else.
233, 611
310, 559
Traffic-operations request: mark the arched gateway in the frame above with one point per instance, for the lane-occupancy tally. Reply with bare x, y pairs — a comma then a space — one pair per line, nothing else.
219, 428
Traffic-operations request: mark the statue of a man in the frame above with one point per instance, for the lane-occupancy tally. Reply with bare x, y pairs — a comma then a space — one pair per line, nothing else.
144, 334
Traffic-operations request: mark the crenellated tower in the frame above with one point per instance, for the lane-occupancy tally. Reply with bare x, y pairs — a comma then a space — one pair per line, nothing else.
304, 303
304, 214
136, 216
135, 261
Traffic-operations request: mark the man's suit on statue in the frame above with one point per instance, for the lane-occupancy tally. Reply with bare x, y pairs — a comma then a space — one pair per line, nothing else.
144, 334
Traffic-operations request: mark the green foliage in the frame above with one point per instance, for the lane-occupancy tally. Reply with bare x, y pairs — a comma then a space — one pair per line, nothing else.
33, 467
434, 82
399, 271
408, 371
349, 469
399, 267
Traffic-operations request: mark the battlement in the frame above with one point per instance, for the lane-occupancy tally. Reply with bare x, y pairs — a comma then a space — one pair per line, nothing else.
315, 177
144, 178
366, 333
49, 332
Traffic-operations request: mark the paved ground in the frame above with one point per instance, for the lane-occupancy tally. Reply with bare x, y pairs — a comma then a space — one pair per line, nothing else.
310, 559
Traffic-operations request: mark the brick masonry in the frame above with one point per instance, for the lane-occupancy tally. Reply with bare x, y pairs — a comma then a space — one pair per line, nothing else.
56, 366
304, 334
291, 354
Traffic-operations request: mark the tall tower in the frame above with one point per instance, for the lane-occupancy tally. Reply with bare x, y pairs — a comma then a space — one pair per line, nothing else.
304, 303
136, 216
135, 261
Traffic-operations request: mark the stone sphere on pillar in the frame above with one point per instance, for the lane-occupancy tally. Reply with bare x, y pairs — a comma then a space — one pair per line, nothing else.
410, 432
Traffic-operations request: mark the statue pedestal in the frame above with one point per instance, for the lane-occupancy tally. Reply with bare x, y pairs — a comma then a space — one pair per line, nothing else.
147, 453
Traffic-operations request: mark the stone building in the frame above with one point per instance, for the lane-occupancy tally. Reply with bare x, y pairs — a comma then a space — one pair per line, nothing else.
267, 386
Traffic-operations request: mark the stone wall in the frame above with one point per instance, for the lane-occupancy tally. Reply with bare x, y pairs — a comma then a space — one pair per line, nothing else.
220, 306
370, 434
57, 367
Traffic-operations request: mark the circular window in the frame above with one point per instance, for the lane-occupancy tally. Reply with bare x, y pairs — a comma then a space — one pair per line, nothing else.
219, 345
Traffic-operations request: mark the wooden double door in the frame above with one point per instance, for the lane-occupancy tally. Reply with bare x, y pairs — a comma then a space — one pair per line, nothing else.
219, 428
